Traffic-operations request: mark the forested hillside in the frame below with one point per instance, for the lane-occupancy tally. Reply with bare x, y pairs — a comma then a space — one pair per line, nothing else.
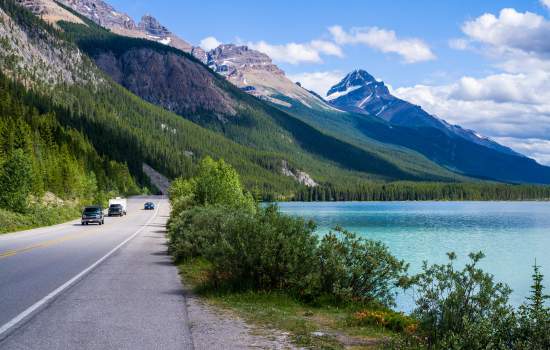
178, 82
259, 141
44, 165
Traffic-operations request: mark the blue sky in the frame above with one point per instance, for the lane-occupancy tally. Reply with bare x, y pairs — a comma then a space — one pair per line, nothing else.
281, 22
480, 64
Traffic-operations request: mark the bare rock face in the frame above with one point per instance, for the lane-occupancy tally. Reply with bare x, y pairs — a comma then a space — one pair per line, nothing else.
152, 26
300, 176
49, 11
120, 23
255, 73
39, 60
169, 80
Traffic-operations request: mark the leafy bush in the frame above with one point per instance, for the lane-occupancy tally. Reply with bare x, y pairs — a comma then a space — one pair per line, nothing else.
359, 269
216, 183
264, 250
36, 216
462, 309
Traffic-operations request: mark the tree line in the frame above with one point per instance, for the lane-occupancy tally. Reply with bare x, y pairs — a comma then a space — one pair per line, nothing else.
422, 191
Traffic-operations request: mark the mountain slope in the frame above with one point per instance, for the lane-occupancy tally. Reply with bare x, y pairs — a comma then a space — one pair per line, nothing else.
67, 83
450, 145
172, 79
360, 92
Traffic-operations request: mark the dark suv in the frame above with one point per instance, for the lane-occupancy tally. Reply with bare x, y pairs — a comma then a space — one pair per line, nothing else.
93, 214
115, 210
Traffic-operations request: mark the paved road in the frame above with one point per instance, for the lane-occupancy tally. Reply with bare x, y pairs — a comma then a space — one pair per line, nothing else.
132, 299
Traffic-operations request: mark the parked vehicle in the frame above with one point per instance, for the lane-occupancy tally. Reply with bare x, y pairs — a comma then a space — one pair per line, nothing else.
149, 206
121, 201
93, 214
115, 210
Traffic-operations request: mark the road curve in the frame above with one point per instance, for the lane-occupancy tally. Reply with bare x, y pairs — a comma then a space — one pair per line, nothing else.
93, 287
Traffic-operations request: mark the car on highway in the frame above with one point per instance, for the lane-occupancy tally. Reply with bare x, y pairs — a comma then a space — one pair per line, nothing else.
119, 201
93, 215
116, 210
149, 206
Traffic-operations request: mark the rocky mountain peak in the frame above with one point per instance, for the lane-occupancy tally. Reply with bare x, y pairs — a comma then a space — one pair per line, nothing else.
152, 26
120, 23
102, 13
358, 79
228, 58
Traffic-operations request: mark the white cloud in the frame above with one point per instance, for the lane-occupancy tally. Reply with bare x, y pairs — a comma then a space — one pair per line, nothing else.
209, 43
459, 44
502, 113
513, 106
412, 50
511, 32
296, 53
538, 149
545, 3
320, 82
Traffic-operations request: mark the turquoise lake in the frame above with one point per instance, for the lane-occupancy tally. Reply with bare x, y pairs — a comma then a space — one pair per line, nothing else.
511, 234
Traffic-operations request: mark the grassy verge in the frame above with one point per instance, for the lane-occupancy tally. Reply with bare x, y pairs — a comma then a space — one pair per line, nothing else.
324, 326
37, 216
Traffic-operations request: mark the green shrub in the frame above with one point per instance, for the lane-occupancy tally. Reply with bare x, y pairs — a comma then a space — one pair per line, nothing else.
353, 268
463, 309
264, 250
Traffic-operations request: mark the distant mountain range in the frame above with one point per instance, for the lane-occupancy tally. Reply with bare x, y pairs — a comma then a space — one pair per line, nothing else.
383, 135
360, 92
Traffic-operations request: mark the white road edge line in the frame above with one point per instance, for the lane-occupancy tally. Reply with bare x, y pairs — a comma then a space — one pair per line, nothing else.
17, 319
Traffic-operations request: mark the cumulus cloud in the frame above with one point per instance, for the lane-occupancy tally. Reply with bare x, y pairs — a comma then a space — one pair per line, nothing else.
209, 43
545, 3
412, 50
296, 53
511, 31
481, 105
320, 82
513, 106
538, 149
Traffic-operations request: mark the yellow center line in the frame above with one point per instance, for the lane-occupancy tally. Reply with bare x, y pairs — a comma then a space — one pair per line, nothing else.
45, 244
10, 253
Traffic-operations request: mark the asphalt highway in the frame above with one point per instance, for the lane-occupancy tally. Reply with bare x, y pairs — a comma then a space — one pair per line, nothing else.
93, 287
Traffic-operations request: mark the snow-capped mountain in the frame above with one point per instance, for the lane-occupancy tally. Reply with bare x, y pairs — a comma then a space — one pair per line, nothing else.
360, 92
255, 73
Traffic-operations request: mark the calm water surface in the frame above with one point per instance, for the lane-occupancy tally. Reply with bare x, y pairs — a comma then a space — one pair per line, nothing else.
511, 234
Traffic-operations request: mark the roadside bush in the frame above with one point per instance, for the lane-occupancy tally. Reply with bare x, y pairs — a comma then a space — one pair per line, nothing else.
353, 268
263, 251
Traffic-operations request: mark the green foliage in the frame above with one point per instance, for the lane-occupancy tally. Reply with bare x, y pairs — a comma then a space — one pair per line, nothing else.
16, 181
217, 183
534, 317
466, 309
353, 268
462, 309
38, 155
37, 216
263, 249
